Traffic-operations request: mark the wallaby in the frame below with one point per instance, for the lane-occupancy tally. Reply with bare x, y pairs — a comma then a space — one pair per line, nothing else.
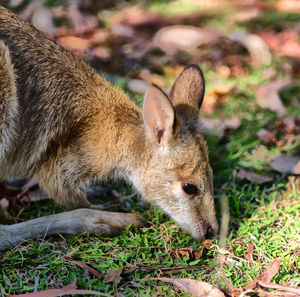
66, 126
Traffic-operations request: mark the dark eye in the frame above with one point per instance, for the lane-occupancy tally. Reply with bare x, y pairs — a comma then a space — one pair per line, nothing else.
189, 189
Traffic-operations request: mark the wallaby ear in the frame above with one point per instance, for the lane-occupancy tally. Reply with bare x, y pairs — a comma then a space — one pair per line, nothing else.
159, 115
187, 91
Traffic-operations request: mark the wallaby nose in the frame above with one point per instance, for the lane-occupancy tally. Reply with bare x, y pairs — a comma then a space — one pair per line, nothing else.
210, 232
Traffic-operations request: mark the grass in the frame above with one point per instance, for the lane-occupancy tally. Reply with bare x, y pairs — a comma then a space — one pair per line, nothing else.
266, 215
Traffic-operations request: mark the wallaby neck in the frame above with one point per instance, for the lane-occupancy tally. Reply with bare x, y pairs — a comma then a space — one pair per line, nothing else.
117, 142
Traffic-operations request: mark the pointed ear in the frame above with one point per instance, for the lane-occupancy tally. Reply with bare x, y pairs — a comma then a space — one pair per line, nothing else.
159, 115
187, 91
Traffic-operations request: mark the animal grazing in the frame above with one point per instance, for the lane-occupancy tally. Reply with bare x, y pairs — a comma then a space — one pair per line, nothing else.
66, 126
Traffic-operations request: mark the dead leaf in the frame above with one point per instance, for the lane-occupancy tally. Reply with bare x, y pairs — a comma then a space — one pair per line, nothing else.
253, 177
250, 251
286, 42
193, 287
265, 276
74, 43
288, 5
286, 164
218, 126
137, 86
256, 46
189, 252
267, 95
246, 15
113, 276
267, 137
216, 97
70, 289
149, 77
182, 253
89, 268
280, 287
191, 37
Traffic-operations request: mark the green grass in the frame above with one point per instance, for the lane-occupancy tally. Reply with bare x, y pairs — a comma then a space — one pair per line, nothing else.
267, 215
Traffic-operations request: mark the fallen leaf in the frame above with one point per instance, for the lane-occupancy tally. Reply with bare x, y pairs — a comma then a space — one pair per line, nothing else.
189, 252
246, 15
286, 164
113, 276
173, 269
182, 253
265, 276
74, 43
256, 46
218, 126
137, 86
285, 288
89, 268
250, 251
70, 289
253, 177
267, 95
288, 5
216, 97
267, 137
149, 77
286, 42
193, 287
190, 37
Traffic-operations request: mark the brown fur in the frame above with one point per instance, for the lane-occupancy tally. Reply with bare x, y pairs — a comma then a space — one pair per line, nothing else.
69, 127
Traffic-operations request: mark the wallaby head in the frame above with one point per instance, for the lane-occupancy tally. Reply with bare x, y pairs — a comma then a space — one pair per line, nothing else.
178, 177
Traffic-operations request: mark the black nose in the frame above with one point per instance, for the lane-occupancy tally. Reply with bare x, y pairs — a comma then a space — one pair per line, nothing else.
209, 232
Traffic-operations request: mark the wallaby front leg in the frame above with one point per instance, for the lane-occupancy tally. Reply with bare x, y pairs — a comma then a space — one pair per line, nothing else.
78, 221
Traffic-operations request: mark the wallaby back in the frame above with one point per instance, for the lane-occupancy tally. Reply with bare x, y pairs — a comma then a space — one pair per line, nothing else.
70, 127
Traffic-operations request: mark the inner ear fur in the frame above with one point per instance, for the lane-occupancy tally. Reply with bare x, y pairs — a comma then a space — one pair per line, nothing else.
188, 90
159, 116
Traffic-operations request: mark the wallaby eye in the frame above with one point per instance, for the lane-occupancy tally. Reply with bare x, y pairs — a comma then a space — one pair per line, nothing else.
189, 189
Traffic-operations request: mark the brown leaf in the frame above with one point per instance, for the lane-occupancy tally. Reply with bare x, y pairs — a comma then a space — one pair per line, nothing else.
194, 287
218, 126
267, 137
256, 46
70, 289
285, 42
250, 251
114, 276
286, 164
288, 289
89, 268
137, 86
189, 252
74, 43
216, 97
190, 37
267, 95
253, 177
265, 276
182, 253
